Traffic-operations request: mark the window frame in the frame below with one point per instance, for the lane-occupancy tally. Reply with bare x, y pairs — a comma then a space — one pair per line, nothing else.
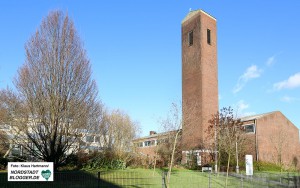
89, 138
208, 36
191, 38
147, 143
254, 128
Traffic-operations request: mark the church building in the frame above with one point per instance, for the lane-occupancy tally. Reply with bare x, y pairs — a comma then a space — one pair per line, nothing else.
272, 135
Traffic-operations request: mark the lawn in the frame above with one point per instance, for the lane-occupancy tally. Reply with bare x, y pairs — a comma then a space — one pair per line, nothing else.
131, 178
139, 178
179, 178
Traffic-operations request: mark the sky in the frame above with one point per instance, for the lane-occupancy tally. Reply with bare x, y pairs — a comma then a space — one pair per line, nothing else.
135, 51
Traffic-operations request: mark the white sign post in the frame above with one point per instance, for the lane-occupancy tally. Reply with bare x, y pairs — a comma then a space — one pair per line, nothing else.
249, 165
30, 171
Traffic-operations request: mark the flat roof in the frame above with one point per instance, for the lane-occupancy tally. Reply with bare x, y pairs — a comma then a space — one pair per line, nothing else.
154, 135
194, 12
257, 116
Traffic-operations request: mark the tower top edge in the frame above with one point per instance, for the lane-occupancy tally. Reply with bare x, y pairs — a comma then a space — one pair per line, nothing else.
195, 12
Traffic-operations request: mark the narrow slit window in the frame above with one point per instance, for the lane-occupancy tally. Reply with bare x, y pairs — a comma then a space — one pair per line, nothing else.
208, 37
190, 36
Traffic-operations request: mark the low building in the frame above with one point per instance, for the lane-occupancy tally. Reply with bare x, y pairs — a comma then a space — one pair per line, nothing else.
87, 141
271, 138
147, 145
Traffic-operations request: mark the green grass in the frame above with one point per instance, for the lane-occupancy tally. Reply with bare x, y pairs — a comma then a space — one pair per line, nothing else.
200, 179
180, 178
131, 178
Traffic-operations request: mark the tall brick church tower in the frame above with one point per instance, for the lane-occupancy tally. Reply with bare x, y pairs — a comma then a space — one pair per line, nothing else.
199, 77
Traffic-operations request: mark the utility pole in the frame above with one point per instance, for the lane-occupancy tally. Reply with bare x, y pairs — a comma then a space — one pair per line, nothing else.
216, 147
237, 156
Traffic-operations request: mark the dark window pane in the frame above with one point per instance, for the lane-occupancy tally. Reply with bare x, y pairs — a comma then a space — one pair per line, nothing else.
89, 138
208, 36
191, 38
249, 128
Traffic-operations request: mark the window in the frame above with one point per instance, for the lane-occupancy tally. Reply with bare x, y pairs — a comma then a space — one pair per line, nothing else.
7, 127
190, 36
208, 36
188, 157
16, 150
249, 128
152, 143
140, 144
89, 138
198, 159
149, 143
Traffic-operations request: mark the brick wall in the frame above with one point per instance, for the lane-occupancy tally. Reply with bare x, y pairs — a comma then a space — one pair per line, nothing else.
276, 134
199, 78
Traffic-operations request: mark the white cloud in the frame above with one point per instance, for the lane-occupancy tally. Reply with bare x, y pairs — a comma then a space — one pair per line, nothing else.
251, 73
292, 82
245, 114
241, 106
271, 60
289, 99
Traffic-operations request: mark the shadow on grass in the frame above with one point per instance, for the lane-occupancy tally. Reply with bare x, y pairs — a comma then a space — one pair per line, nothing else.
77, 179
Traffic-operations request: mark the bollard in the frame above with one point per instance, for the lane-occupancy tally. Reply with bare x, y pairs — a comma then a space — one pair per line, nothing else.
163, 180
242, 181
98, 179
209, 180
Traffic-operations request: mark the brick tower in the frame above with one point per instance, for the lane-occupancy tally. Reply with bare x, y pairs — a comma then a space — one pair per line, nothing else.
199, 77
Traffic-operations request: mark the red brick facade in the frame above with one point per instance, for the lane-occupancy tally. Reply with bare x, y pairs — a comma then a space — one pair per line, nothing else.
274, 140
274, 137
199, 76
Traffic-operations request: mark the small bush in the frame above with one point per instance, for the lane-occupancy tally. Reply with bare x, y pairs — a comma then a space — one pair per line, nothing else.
104, 160
141, 161
3, 163
264, 166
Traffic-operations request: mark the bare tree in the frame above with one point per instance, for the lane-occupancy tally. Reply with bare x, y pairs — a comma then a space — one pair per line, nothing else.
279, 140
10, 105
172, 125
118, 131
228, 134
56, 91
165, 145
4, 142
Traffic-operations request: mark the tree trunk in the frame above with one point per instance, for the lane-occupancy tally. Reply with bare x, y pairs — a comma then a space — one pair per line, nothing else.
155, 158
227, 169
219, 162
172, 158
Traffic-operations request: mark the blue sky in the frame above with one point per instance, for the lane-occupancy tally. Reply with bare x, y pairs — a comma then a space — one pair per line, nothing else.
135, 51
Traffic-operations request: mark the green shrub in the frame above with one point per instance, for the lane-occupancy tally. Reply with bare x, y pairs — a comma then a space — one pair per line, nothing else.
264, 166
3, 163
101, 161
141, 161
